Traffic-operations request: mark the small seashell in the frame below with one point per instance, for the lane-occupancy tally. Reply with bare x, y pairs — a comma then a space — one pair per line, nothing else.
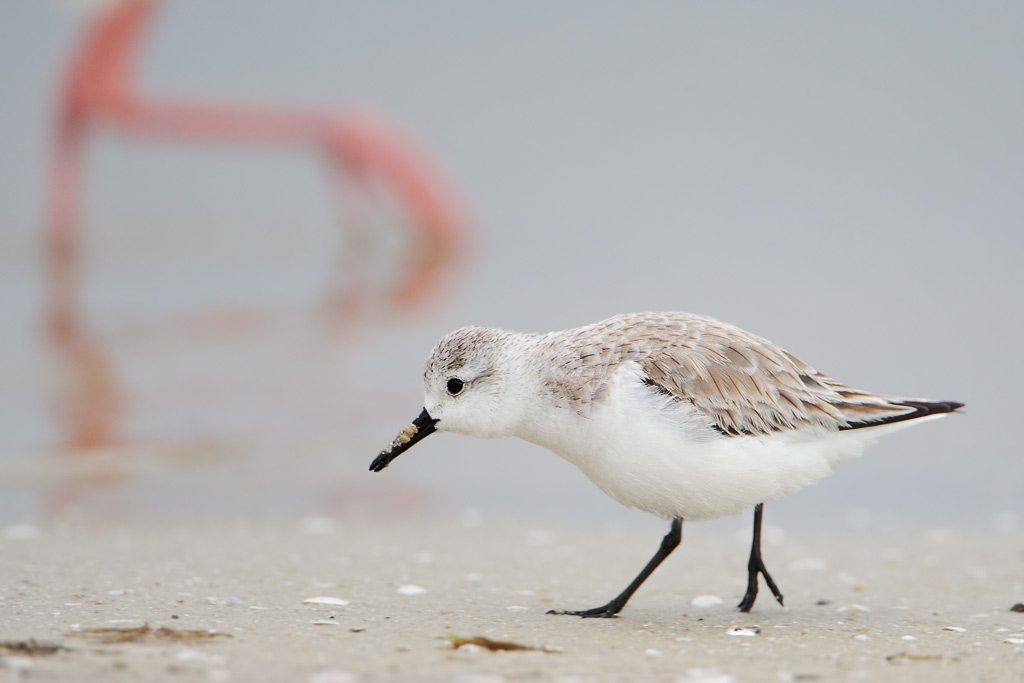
324, 600
517, 608
411, 590
954, 628
324, 622
861, 637
908, 638
743, 631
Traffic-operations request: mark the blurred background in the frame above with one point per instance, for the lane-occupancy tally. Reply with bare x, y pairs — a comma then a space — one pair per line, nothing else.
231, 232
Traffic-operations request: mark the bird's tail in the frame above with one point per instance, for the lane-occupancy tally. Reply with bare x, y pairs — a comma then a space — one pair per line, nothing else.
901, 410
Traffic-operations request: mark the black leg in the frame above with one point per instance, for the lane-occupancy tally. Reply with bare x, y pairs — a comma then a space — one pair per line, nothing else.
755, 566
668, 544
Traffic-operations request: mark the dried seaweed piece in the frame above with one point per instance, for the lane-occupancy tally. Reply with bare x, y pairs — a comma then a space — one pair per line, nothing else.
493, 645
917, 657
144, 634
31, 648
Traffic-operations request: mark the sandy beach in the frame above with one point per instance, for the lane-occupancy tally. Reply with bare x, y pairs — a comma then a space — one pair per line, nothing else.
230, 234
327, 600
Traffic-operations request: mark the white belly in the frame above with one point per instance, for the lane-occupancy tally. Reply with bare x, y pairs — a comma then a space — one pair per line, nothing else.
670, 463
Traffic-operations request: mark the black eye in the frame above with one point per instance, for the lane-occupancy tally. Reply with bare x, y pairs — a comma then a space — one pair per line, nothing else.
455, 385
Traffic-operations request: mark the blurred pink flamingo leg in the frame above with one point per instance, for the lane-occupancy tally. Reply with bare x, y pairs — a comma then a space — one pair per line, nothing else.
99, 89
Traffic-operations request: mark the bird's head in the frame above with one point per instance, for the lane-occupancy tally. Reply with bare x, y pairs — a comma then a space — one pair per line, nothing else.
470, 384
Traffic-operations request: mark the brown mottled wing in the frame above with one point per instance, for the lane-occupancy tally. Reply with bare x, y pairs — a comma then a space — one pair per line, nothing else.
746, 384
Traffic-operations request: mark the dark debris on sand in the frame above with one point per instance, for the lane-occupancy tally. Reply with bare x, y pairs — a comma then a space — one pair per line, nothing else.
144, 634
31, 648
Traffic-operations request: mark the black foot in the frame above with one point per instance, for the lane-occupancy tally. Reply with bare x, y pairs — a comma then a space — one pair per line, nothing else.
608, 611
668, 544
748, 599
751, 595
756, 566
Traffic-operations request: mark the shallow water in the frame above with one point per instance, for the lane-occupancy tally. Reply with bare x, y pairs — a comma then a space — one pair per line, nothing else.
230, 352
167, 403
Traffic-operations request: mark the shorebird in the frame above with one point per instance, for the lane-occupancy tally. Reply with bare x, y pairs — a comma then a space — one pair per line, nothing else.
679, 415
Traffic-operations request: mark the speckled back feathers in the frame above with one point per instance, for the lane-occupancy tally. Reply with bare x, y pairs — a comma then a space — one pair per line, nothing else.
743, 383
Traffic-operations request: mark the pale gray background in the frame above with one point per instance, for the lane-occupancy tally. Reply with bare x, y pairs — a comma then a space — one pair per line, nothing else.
843, 178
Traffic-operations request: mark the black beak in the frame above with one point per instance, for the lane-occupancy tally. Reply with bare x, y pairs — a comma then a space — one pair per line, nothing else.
421, 427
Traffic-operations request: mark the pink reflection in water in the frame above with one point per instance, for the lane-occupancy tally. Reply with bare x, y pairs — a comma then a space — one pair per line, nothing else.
370, 162
88, 407
365, 155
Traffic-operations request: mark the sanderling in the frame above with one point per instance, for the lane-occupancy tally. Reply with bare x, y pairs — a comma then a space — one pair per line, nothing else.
681, 415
